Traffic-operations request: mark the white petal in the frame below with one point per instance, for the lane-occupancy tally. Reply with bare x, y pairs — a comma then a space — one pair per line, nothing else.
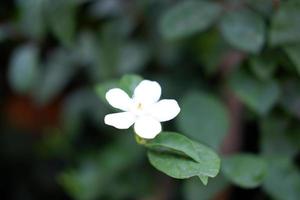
164, 110
121, 120
117, 98
147, 127
147, 92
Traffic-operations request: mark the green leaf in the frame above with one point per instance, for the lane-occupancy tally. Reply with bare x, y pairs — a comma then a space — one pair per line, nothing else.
193, 189
129, 82
245, 170
180, 157
210, 48
262, 67
195, 121
244, 30
132, 58
23, 69
283, 179
290, 99
204, 179
79, 105
32, 20
188, 17
293, 52
90, 179
3, 34
102, 88
276, 137
87, 50
58, 72
258, 95
264, 7
60, 16
106, 8
285, 24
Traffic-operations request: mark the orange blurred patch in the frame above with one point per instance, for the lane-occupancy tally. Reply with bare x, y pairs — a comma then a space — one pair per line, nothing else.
21, 112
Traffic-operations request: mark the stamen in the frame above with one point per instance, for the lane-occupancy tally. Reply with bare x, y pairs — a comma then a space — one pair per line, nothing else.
139, 107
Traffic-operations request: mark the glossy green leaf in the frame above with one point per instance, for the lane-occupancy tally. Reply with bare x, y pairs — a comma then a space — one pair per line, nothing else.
285, 24
204, 118
24, 69
188, 17
260, 96
180, 157
244, 30
245, 170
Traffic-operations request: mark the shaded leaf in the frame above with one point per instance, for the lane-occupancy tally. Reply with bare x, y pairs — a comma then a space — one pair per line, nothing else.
204, 118
245, 170
264, 7
79, 105
23, 70
290, 98
258, 95
283, 179
106, 8
210, 48
31, 17
285, 24
262, 67
244, 30
193, 189
188, 17
293, 52
89, 180
57, 74
276, 138
132, 58
60, 16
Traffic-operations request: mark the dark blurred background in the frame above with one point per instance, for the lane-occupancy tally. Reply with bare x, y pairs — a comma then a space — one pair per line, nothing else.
233, 65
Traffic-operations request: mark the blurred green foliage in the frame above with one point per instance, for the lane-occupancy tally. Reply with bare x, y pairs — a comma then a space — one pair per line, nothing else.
233, 65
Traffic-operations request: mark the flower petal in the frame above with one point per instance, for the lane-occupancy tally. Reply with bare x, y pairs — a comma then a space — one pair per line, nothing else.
117, 98
164, 110
147, 127
147, 92
121, 120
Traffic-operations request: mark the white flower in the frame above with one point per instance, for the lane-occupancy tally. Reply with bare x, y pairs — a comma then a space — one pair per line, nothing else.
144, 109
